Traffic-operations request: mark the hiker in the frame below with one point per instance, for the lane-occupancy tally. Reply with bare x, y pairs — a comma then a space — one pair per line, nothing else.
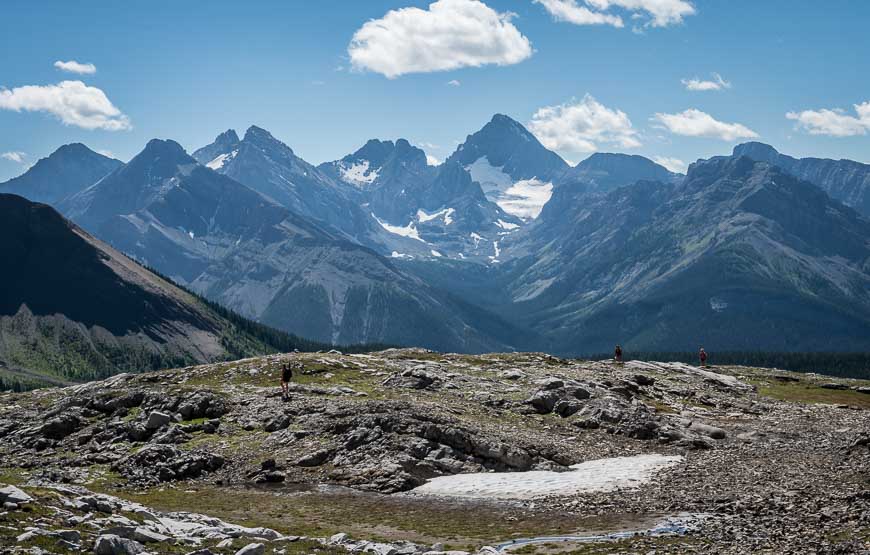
702, 356
286, 375
617, 354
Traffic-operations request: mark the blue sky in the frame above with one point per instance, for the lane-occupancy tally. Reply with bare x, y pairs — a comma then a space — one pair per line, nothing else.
189, 70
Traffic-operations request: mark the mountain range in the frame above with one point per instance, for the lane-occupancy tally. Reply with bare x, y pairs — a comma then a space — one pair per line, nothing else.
73, 308
503, 246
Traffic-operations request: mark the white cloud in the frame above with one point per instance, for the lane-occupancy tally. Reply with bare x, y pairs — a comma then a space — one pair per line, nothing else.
570, 12
15, 156
834, 123
659, 13
107, 153
451, 34
673, 164
73, 66
715, 84
454, 83
695, 123
580, 126
432, 161
72, 102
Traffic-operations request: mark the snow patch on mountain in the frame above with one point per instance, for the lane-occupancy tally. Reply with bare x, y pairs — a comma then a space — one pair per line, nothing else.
492, 179
525, 199
497, 251
446, 213
409, 230
221, 160
506, 225
359, 174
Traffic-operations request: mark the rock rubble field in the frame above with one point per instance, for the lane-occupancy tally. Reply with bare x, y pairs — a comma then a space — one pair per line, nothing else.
409, 451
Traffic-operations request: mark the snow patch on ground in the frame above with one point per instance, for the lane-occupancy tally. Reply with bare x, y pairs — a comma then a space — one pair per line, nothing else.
358, 174
446, 213
397, 254
408, 231
436, 253
221, 160
476, 238
506, 225
593, 476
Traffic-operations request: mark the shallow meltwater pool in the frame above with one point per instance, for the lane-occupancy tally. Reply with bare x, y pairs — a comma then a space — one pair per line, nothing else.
599, 475
671, 526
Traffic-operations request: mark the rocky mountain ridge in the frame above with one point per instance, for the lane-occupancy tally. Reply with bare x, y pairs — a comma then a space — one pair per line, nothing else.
502, 246
73, 309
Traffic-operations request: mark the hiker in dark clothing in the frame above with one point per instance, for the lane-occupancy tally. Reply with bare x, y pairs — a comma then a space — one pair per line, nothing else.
702, 356
286, 375
617, 354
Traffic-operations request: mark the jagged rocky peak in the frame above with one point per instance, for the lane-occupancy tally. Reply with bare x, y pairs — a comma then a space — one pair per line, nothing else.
217, 153
405, 151
374, 151
261, 137
228, 137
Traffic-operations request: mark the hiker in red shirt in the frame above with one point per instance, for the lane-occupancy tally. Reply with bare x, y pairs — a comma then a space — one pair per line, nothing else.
702, 355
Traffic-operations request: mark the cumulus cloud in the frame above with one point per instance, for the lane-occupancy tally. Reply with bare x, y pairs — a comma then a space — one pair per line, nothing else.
15, 156
432, 161
72, 102
454, 83
715, 84
571, 12
73, 66
835, 122
695, 123
581, 126
673, 164
450, 34
658, 13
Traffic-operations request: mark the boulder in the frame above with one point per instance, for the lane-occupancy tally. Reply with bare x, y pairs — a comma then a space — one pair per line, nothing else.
73, 536
337, 539
11, 494
315, 459
642, 379
278, 423
60, 426
157, 420
544, 401
110, 544
551, 383
706, 430
252, 549
566, 407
